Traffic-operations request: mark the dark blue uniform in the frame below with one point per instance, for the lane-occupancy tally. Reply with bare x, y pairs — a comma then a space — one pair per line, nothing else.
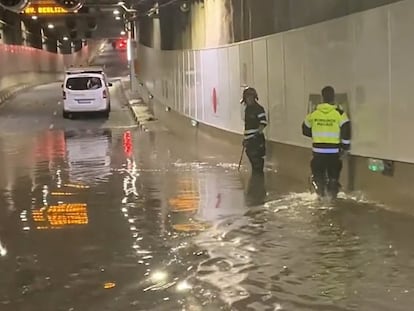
254, 141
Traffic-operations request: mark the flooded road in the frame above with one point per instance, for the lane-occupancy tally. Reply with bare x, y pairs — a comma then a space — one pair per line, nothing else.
101, 215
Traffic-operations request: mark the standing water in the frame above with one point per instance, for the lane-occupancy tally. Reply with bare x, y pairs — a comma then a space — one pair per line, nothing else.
119, 220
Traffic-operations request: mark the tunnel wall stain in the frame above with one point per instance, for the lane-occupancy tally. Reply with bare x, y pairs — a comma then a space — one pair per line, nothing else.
366, 56
211, 23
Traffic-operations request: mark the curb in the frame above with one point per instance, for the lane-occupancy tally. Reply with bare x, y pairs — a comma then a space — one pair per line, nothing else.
140, 118
128, 102
134, 115
9, 92
135, 102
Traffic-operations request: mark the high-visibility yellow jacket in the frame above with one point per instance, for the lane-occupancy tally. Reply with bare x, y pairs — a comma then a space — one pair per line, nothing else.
330, 129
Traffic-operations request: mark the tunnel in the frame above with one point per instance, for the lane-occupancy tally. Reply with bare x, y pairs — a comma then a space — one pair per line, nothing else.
160, 155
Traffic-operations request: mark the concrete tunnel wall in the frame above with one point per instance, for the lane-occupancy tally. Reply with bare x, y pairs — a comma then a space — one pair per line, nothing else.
22, 66
209, 23
367, 55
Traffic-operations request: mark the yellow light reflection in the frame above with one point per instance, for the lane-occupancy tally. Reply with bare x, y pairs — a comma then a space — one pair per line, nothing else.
109, 285
62, 193
190, 227
59, 216
77, 186
187, 199
184, 203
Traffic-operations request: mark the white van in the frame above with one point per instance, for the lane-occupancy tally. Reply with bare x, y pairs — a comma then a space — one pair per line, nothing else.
85, 89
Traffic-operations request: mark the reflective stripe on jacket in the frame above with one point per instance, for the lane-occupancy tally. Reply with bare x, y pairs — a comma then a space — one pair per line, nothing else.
329, 127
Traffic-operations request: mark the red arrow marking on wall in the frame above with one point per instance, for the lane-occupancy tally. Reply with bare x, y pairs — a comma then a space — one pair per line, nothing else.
214, 100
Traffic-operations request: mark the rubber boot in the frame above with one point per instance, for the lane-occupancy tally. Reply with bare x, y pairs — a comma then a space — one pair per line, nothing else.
318, 186
333, 188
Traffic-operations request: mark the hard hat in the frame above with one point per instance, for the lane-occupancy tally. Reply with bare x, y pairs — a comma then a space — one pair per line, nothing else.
249, 91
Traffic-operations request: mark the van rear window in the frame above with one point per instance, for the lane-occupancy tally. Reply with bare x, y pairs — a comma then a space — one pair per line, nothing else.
83, 83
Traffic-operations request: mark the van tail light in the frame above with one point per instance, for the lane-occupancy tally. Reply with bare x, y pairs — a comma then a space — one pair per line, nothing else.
104, 94
64, 94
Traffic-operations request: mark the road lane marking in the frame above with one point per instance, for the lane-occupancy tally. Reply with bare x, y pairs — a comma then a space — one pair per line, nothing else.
55, 113
125, 126
51, 126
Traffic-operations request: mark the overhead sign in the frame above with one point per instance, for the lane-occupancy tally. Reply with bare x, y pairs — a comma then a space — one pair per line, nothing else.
44, 7
42, 10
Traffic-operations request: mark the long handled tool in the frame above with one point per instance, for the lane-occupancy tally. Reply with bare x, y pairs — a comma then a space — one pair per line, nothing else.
241, 158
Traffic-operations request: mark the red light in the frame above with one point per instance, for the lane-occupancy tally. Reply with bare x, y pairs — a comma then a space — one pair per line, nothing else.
122, 43
50, 145
127, 142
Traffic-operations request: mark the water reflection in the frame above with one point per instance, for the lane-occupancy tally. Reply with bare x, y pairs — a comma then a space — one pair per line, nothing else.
130, 178
88, 155
39, 185
256, 191
176, 203
59, 216
56, 210
3, 250
185, 204
58, 168
158, 233
129, 183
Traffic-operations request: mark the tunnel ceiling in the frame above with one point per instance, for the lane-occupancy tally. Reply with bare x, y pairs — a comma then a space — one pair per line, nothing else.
95, 20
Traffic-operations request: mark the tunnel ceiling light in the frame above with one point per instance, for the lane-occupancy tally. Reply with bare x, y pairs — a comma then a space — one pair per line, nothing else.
34, 17
116, 12
65, 38
118, 18
121, 3
123, 33
50, 26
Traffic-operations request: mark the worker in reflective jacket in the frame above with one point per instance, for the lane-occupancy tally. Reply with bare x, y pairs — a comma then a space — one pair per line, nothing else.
254, 123
330, 130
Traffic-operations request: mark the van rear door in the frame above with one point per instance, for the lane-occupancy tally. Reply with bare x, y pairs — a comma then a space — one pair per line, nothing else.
84, 90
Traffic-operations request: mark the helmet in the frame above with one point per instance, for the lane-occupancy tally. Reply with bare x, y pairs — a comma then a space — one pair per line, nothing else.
249, 91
